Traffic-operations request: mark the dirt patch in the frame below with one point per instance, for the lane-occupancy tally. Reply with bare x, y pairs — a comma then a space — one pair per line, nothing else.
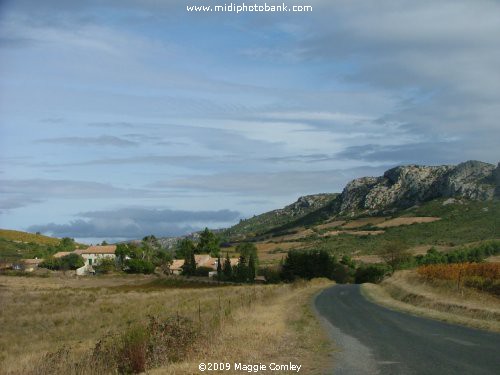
363, 221
493, 259
301, 233
332, 224
368, 259
353, 232
407, 221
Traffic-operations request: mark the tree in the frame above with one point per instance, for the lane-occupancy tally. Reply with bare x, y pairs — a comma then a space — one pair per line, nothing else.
241, 273
163, 260
208, 243
136, 265
252, 268
66, 244
185, 246
395, 254
122, 251
227, 270
219, 268
189, 266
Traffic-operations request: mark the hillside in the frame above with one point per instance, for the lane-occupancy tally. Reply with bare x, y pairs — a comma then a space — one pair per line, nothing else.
19, 236
276, 218
416, 206
17, 244
403, 187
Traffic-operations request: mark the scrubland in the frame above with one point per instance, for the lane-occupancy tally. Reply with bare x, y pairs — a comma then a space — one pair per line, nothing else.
88, 325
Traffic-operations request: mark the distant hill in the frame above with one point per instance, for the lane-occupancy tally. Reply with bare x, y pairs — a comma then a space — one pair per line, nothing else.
267, 221
16, 244
25, 237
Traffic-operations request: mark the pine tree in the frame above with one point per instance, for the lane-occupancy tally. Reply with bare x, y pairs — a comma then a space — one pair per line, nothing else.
193, 263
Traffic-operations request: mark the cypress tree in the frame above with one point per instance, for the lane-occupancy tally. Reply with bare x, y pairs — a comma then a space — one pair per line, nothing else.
252, 270
219, 268
227, 270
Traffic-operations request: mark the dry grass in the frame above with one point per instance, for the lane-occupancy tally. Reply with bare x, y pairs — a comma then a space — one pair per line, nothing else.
353, 233
40, 315
282, 330
331, 224
18, 236
439, 299
406, 221
363, 221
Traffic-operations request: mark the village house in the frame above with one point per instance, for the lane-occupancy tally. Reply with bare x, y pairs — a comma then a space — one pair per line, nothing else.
29, 265
93, 256
202, 260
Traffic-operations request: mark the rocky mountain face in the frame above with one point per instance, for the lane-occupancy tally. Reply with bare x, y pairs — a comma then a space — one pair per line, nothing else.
406, 186
304, 205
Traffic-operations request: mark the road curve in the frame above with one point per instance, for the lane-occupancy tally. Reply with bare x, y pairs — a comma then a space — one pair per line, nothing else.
375, 340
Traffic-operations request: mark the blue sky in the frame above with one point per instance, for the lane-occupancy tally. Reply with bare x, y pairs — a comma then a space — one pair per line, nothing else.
120, 119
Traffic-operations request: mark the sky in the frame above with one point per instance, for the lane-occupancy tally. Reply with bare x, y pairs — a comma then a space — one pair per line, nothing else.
123, 118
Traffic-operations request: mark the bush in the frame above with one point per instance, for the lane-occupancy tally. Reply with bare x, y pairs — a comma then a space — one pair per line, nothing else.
68, 262
202, 271
272, 274
139, 266
373, 273
106, 265
470, 254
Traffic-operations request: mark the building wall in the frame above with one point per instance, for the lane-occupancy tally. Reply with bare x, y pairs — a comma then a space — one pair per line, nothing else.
96, 259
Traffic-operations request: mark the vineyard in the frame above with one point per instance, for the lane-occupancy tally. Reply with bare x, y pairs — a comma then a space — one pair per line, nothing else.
482, 276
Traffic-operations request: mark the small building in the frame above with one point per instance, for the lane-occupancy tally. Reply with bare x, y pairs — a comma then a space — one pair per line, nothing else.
202, 260
93, 256
29, 265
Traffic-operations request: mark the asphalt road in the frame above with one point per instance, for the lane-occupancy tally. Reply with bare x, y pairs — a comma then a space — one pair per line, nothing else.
375, 340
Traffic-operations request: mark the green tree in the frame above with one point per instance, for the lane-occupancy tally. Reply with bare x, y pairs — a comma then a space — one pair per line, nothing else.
66, 244
189, 266
122, 251
136, 265
185, 246
227, 270
241, 273
208, 243
252, 268
219, 268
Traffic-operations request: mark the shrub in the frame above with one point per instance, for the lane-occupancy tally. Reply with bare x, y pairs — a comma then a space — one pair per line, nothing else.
202, 271
272, 274
68, 262
373, 273
139, 266
106, 265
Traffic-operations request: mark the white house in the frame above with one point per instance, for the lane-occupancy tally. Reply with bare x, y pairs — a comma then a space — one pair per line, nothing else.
93, 255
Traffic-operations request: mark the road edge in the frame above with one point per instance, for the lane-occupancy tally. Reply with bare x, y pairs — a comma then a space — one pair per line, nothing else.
377, 294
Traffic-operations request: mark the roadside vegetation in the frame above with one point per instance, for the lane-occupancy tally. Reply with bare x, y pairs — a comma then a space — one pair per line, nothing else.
132, 323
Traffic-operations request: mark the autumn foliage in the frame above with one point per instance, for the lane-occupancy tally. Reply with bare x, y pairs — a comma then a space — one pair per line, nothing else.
484, 276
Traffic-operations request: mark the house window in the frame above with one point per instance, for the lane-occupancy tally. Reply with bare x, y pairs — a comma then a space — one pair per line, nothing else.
90, 261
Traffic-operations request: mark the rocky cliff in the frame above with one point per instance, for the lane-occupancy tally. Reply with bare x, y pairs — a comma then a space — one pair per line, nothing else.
406, 186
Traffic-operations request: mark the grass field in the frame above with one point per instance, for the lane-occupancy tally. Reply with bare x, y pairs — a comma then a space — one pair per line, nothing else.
238, 323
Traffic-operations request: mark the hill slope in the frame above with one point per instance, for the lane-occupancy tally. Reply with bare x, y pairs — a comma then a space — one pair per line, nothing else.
404, 187
276, 218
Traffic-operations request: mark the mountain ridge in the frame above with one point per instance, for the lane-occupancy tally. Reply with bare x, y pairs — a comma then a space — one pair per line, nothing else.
402, 187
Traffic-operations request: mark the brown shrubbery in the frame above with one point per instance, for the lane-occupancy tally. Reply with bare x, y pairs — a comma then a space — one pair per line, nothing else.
483, 276
140, 348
